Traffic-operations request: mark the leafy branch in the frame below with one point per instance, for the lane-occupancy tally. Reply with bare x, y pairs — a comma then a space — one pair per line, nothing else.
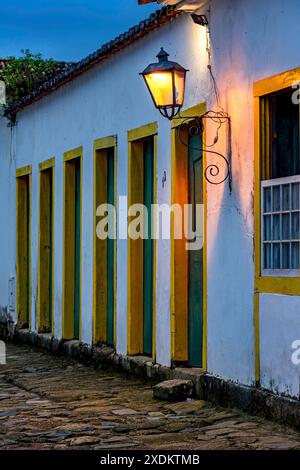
23, 74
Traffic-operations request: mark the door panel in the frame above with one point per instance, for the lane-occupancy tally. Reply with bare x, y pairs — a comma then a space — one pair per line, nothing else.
46, 251
195, 262
148, 248
77, 248
23, 250
110, 251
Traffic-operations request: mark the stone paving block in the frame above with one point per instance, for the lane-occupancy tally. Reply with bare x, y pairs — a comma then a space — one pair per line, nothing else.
71, 348
44, 341
186, 407
56, 346
173, 390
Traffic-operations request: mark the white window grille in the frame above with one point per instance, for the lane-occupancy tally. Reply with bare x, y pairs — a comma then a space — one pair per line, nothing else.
280, 212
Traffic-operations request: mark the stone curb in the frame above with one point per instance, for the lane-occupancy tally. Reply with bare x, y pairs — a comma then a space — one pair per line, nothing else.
252, 400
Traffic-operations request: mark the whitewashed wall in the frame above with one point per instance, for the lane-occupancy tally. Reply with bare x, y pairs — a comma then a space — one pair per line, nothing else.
7, 217
110, 99
251, 40
279, 329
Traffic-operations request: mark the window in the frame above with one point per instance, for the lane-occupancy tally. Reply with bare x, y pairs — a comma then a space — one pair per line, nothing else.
280, 185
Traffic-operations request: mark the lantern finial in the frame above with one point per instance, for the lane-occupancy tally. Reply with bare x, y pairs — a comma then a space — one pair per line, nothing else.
162, 55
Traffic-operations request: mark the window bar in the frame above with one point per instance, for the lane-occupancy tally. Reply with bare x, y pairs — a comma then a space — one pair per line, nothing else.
272, 228
280, 225
290, 222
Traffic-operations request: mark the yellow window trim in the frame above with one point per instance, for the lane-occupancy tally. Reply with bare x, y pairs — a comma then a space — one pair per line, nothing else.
276, 82
24, 171
194, 111
134, 326
75, 153
266, 284
142, 132
179, 344
105, 143
99, 324
71, 155
46, 165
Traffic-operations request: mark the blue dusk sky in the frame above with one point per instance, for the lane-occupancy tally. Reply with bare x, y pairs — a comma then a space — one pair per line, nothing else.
65, 29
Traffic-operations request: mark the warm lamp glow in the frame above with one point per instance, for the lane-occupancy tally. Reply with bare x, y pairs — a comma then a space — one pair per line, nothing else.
161, 88
179, 87
166, 83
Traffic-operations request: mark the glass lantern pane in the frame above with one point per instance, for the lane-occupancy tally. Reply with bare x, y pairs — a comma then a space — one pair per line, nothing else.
161, 87
179, 87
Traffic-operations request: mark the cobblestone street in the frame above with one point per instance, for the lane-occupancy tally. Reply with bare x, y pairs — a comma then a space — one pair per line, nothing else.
57, 403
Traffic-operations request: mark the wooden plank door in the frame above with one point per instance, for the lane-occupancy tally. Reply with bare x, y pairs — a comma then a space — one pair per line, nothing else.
46, 251
77, 240
148, 249
110, 251
195, 263
23, 250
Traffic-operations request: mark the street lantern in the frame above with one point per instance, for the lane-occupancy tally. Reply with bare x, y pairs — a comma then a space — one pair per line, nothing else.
166, 83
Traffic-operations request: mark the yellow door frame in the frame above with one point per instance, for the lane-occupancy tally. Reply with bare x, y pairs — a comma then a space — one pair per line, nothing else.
43, 322
179, 255
135, 247
266, 284
68, 301
100, 247
21, 173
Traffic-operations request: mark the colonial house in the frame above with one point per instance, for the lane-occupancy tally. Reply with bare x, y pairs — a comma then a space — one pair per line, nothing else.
92, 135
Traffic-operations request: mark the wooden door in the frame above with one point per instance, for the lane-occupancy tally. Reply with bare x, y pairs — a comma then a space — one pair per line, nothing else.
23, 250
46, 251
195, 261
110, 251
148, 249
77, 241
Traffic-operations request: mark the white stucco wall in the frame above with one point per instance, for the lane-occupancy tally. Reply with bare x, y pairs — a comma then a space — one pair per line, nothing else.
279, 329
7, 216
250, 40
109, 100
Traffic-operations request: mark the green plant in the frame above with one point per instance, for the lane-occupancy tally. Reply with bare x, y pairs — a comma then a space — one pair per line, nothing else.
22, 74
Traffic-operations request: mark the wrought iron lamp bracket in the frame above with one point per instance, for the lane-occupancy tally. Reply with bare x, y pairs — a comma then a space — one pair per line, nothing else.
194, 125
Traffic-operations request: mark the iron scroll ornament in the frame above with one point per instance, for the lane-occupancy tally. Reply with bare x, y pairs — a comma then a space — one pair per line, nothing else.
192, 126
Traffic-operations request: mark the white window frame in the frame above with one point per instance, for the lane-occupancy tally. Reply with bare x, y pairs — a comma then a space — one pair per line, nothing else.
269, 184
